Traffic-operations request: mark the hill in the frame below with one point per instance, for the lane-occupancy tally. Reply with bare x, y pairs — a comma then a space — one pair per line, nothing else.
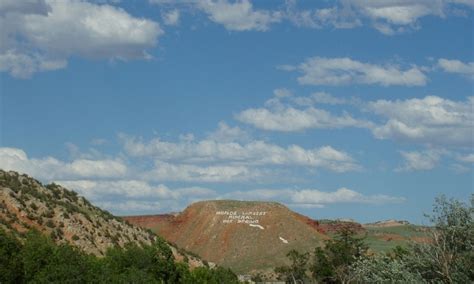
26, 204
242, 235
53, 210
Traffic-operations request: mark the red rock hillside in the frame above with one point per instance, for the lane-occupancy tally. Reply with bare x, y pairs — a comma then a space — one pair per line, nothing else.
245, 236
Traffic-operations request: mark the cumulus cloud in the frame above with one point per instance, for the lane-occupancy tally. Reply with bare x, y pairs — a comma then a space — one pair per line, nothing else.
132, 189
135, 196
49, 168
41, 35
399, 12
292, 119
343, 71
196, 173
132, 196
239, 15
387, 16
431, 120
321, 98
254, 153
296, 113
226, 133
420, 161
338, 17
457, 67
313, 197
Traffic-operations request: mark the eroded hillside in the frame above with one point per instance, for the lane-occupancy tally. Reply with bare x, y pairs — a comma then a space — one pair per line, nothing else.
26, 204
242, 235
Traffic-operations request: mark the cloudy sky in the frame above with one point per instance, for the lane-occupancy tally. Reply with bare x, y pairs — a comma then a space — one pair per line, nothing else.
349, 108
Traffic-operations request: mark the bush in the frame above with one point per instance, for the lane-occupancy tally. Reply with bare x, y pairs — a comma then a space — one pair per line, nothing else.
50, 223
11, 265
40, 260
449, 256
34, 206
331, 263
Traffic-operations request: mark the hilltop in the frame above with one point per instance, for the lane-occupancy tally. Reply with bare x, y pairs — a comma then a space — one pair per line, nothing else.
242, 235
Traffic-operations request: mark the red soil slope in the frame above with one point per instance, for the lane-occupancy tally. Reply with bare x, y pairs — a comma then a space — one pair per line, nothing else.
242, 235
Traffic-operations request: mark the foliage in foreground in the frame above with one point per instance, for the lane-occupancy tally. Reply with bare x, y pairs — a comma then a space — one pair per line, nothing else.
448, 257
40, 260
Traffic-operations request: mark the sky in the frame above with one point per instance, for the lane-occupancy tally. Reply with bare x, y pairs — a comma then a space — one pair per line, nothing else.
338, 109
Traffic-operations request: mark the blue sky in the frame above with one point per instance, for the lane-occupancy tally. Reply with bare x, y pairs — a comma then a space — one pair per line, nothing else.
359, 109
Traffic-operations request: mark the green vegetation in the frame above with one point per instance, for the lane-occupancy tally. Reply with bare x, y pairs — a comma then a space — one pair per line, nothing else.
380, 239
446, 257
40, 260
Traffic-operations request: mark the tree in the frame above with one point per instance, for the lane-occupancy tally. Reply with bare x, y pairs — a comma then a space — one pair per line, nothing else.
45, 262
449, 256
11, 266
383, 269
331, 263
296, 271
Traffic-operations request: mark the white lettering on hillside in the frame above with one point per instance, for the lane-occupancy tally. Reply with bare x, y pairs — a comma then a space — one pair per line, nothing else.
238, 217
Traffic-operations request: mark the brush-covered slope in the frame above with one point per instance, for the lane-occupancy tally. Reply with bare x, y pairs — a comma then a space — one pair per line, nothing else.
241, 235
26, 204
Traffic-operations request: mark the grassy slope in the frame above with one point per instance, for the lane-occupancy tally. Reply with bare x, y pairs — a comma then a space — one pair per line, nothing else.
382, 239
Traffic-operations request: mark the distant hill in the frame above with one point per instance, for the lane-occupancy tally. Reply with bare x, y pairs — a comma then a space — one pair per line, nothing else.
26, 204
387, 223
241, 235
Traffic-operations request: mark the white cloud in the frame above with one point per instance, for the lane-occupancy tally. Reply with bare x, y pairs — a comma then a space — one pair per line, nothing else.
420, 161
467, 158
254, 153
41, 35
22, 65
49, 168
321, 98
457, 67
431, 120
282, 93
313, 197
239, 15
283, 114
292, 119
342, 195
127, 197
134, 207
398, 12
171, 18
194, 173
132, 189
107, 182
387, 16
343, 71
226, 133
338, 17
136, 196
